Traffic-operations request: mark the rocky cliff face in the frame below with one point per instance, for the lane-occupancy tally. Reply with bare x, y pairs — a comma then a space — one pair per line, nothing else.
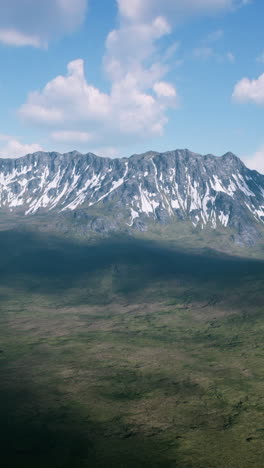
179, 185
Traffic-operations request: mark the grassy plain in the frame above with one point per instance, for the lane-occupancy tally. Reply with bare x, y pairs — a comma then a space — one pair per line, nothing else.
129, 353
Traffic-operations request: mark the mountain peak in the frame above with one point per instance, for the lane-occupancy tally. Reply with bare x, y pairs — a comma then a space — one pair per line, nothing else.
231, 156
175, 186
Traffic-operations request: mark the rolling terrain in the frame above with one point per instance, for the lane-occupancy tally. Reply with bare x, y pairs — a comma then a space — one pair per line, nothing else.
125, 352
131, 311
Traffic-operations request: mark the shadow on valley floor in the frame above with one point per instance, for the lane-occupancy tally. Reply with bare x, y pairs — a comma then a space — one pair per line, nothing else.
40, 428
50, 265
160, 377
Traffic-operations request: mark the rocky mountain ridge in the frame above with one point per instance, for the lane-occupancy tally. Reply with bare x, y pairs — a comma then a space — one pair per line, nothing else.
177, 185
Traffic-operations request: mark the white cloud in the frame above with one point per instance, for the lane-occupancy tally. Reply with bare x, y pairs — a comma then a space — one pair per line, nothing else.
128, 47
36, 22
70, 102
256, 161
16, 38
247, 90
175, 10
10, 147
163, 89
139, 96
66, 99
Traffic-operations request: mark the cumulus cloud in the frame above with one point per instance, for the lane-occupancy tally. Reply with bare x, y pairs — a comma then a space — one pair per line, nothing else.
247, 90
128, 47
163, 89
69, 103
256, 161
66, 99
10, 147
36, 22
139, 96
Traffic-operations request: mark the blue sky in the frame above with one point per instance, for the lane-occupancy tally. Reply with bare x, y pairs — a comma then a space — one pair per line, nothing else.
118, 77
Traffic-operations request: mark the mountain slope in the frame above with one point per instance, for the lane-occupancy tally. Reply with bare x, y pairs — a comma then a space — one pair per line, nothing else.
178, 185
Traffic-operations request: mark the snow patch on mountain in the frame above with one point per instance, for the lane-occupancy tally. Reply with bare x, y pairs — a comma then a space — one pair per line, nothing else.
206, 190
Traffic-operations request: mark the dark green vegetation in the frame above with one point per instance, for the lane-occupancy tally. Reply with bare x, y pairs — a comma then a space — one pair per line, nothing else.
129, 353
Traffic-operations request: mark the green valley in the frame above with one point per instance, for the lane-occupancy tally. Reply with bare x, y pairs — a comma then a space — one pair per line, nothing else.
128, 352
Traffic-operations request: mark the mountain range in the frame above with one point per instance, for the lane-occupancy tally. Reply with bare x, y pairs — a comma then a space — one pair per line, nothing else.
129, 194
